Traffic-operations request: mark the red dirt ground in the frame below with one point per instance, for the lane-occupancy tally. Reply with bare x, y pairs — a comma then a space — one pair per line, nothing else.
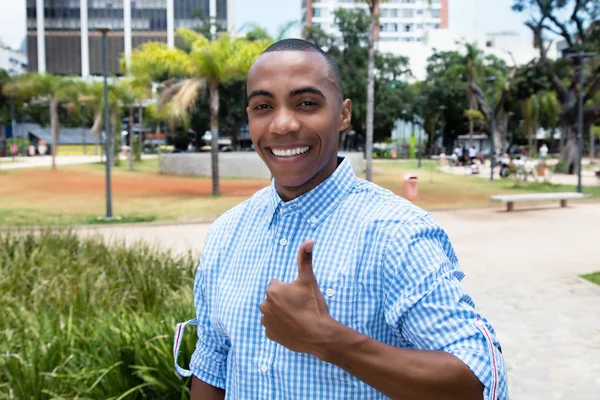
87, 183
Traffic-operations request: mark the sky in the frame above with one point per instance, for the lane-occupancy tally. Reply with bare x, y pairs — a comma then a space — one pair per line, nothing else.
465, 16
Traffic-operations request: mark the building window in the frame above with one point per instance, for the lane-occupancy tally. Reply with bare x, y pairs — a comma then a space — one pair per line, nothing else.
407, 28
419, 26
489, 43
317, 12
435, 13
408, 13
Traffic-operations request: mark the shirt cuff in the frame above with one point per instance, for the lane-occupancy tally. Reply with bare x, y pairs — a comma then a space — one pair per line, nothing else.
486, 363
209, 366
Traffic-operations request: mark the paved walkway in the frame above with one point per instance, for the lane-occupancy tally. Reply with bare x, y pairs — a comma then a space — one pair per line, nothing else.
522, 270
46, 161
588, 177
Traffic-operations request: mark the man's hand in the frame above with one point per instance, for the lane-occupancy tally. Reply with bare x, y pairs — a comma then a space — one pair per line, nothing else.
295, 315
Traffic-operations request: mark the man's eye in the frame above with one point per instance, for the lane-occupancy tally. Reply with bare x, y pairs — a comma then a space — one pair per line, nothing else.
261, 107
308, 103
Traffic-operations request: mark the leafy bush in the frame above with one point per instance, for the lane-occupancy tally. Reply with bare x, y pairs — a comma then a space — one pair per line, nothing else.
561, 167
82, 319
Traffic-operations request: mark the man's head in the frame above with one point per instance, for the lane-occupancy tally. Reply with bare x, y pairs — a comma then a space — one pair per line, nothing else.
295, 113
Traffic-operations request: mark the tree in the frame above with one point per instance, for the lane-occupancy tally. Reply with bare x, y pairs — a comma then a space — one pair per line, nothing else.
576, 23
373, 6
183, 74
539, 110
45, 89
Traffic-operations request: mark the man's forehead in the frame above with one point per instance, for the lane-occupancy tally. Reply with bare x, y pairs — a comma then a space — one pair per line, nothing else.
307, 62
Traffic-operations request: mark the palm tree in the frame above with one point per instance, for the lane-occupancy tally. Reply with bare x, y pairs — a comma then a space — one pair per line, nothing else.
539, 110
208, 63
373, 6
48, 89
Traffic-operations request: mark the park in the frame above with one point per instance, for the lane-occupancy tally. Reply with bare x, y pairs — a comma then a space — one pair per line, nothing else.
108, 189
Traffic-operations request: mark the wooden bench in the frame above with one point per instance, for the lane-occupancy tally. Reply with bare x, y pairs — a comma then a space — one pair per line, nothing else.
510, 199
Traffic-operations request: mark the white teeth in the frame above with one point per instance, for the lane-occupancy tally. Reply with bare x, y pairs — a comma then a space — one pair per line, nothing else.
290, 152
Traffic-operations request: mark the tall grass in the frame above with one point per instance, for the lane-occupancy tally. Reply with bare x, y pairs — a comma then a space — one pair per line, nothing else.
80, 319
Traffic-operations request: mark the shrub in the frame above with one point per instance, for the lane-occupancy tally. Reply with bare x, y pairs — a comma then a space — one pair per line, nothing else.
84, 319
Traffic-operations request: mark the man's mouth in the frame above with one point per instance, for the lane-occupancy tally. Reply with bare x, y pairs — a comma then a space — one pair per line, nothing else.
289, 152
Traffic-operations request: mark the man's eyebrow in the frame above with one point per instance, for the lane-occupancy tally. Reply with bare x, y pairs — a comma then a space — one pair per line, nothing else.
256, 93
307, 89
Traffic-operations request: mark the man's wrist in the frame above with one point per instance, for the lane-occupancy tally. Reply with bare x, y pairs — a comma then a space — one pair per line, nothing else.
334, 338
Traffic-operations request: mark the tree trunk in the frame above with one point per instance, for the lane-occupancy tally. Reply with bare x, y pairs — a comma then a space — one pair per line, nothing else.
131, 138
371, 90
214, 129
55, 129
532, 140
471, 129
141, 133
592, 144
570, 152
115, 143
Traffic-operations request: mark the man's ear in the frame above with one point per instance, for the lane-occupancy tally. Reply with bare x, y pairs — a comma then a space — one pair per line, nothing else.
345, 115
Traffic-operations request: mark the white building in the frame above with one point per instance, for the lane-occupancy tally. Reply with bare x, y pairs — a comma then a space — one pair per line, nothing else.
12, 61
508, 46
401, 21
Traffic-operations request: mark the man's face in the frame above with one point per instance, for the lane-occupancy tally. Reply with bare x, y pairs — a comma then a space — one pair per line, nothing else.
295, 114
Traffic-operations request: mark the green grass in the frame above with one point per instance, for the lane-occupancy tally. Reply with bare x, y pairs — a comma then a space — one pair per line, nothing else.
594, 277
440, 190
81, 319
23, 204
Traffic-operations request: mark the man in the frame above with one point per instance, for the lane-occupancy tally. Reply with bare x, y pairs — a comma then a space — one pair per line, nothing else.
325, 286
472, 154
543, 151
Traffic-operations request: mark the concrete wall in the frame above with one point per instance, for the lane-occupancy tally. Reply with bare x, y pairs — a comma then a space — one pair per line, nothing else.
231, 165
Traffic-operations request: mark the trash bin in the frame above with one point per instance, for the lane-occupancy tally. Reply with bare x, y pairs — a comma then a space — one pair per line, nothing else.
442, 160
411, 183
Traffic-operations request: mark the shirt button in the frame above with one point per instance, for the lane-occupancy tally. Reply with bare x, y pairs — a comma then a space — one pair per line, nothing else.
264, 368
283, 242
313, 220
330, 292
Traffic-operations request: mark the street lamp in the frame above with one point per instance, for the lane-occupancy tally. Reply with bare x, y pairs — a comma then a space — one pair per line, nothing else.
107, 143
421, 101
582, 56
442, 108
493, 80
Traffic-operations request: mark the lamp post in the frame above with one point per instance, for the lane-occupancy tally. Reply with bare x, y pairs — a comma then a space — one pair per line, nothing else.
581, 56
493, 80
442, 109
107, 142
421, 101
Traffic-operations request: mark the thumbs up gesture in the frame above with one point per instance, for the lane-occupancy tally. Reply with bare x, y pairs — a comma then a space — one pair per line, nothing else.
295, 315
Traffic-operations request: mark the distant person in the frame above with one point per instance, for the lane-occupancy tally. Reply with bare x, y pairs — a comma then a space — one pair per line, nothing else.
323, 285
42, 148
14, 149
472, 153
31, 150
543, 151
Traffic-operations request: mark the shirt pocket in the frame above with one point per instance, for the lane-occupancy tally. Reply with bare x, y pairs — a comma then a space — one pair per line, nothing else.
341, 302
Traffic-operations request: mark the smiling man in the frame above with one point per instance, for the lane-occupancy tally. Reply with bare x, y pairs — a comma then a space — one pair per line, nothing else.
325, 286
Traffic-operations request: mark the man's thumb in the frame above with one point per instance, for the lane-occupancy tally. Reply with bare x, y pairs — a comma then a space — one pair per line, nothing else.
305, 268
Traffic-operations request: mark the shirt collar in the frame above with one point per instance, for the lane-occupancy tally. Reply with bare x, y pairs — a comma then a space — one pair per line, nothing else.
319, 202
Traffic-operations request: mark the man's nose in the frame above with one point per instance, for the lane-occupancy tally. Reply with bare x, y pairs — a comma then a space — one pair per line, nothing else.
285, 122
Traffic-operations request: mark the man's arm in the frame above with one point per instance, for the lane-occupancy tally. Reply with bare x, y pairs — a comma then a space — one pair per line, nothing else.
296, 316
398, 373
203, 391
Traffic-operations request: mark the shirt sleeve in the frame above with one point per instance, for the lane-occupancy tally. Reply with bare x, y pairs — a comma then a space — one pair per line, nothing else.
209, 360
428, 308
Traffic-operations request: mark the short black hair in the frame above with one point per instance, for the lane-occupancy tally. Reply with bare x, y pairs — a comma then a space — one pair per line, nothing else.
303, 45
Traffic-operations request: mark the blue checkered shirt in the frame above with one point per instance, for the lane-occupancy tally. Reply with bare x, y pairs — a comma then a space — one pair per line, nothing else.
385, 268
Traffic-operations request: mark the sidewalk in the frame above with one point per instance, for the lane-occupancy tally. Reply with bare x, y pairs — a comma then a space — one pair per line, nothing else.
46, 161
588, 177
